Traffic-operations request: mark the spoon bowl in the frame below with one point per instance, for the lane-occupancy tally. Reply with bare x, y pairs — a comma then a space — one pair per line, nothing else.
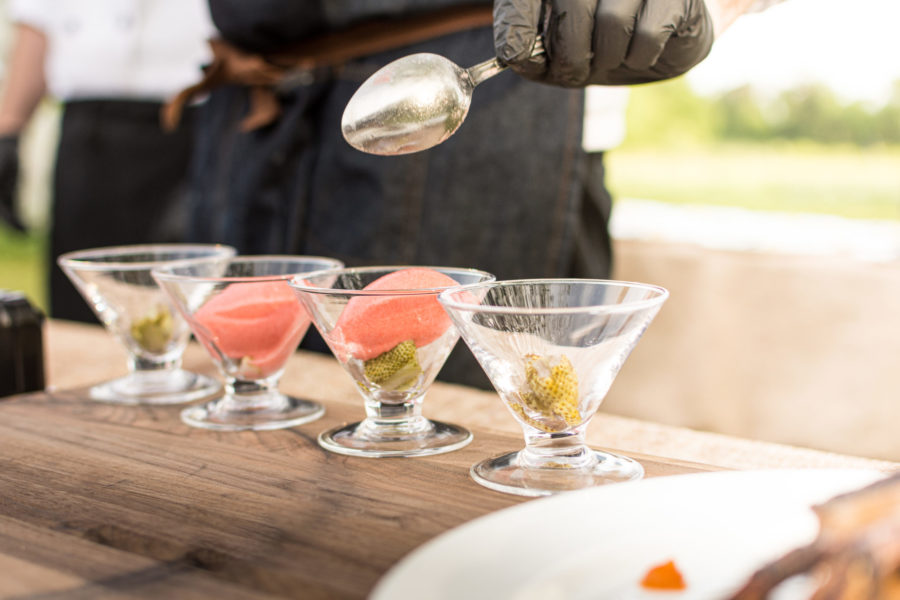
413, 103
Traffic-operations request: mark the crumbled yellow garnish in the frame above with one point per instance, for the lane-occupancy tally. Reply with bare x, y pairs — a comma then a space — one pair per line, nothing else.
154, 332
248, 368
398, 368
551, 389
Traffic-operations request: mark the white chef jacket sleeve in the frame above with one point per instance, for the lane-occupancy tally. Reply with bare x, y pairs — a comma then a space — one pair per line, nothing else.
34, 13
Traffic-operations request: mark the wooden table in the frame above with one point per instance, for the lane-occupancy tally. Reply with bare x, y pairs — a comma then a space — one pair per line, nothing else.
101, 501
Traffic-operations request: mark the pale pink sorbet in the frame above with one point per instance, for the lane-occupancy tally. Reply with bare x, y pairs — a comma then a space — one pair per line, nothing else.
259, 322
372, 325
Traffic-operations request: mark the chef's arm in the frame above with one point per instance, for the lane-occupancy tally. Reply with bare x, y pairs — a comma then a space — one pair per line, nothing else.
24, 84
23, 88
726, 12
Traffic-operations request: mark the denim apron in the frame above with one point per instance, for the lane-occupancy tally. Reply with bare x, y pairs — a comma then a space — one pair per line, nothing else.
119, 179
504, 194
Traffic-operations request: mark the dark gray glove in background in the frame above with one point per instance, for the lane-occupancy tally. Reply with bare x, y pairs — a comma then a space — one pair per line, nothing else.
604, 42
9, 178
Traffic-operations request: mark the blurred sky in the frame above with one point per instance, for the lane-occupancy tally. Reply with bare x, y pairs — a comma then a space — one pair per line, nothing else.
853, 46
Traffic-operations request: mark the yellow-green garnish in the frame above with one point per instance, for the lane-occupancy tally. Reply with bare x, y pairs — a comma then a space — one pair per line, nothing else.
396, 369
154, 332
551, 389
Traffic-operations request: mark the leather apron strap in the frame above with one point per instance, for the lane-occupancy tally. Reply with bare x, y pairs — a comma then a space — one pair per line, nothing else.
263, 73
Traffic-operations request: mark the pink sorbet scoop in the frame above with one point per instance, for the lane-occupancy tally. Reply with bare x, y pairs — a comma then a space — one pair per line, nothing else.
372, 325
258, 322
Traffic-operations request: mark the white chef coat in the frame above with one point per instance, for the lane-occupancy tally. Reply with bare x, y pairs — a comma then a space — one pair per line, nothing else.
119, 49
604, 117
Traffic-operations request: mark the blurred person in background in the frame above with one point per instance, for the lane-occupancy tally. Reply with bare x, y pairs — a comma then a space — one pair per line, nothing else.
603, 130
512, 192
118, 177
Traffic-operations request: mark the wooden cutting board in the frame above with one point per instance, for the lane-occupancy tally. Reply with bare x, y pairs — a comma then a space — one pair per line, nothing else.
102, 501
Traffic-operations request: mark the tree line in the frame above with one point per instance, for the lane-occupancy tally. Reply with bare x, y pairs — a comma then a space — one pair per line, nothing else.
671, 113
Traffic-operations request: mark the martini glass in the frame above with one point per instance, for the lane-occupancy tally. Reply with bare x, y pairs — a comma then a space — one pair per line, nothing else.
387, 329
116, 283
250, 322
552, 348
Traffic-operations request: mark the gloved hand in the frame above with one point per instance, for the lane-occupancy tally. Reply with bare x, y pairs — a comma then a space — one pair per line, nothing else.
605, 42
9, 178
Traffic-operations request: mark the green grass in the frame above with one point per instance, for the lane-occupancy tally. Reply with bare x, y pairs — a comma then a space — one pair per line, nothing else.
22, 265
845, 181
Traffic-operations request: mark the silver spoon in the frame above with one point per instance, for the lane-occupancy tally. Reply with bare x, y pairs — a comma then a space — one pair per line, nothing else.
414, 103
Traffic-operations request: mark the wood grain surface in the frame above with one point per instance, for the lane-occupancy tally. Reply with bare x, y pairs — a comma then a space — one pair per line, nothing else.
103, 501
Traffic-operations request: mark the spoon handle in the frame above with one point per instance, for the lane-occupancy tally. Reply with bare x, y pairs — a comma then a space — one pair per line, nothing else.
491, 67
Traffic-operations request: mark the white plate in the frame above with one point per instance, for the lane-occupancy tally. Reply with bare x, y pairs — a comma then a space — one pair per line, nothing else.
598, 543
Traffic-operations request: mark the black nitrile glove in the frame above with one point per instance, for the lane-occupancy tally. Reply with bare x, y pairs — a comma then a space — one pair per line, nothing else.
603, 42
9, 178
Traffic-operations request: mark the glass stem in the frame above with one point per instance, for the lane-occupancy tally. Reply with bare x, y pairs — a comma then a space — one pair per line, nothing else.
137, 364
251, 396
556, 450
151, 373
402, 417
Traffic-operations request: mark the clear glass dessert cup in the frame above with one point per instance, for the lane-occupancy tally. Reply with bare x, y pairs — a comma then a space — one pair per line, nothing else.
552, 348
389, 333
250, 321
117, 284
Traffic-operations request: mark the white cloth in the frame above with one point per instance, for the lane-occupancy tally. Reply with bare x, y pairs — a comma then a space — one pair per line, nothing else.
761, 5
604, 117
119, 49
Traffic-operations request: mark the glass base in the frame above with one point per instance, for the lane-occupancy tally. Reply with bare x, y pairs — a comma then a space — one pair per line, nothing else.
223, 414
374, 441
507, 474
156, 387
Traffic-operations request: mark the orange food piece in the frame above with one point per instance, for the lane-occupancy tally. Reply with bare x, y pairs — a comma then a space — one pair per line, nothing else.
664, 577
260, 323
372, 325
